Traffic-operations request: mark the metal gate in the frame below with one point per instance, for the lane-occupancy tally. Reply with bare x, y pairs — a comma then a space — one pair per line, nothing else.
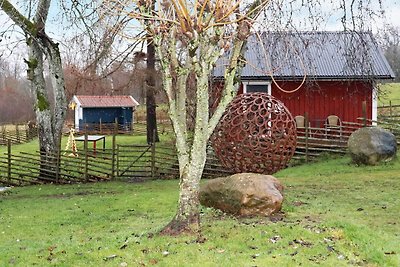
135, 161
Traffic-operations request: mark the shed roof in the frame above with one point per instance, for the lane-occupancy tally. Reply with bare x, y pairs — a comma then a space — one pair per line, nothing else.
103, 101
318, 55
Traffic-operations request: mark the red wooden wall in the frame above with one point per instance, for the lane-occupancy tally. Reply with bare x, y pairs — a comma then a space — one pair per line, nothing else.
320, 99
325, 98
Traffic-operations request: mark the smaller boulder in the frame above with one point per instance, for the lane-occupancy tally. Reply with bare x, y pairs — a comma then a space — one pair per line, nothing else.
243, 194
371, 145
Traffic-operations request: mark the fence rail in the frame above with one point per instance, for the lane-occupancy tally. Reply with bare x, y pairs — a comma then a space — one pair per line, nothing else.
18, 134
156, 161
137, 128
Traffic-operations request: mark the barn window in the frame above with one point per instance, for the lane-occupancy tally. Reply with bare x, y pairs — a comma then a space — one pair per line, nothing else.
257, 86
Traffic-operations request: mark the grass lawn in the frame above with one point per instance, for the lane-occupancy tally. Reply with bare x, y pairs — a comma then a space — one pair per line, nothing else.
336, 214
389, 92
120, 139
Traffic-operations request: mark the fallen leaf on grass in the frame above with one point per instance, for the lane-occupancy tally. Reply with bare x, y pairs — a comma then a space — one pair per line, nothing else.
12, 261
165, 253
330, 248
255, 255
51, 248
201, 240
298, 203
275, 239
301, 242
153, 261
294, 253
341, 257
390, 253
110, 257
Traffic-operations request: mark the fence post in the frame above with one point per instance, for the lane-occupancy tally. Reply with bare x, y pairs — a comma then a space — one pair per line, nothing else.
26, 133
307, 129
153, 156
117, 159
85, 148
390, 108
58, 160
113, 157
3, 132
17, 133
9, 160
364, 113
101, 127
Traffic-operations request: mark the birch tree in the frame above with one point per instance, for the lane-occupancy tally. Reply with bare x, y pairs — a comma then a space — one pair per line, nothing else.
189, 37
40, 48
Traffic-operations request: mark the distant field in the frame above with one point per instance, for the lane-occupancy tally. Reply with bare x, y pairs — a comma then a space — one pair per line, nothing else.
389, 92
11, 127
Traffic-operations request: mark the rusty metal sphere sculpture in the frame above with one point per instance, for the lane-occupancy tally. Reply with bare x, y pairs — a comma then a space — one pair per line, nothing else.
257, 134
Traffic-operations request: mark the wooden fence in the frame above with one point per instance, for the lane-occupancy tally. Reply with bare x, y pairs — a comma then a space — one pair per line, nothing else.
314, 141
138, 128
159, 162
389, 111
129, 162
142, 162
63, 167
18, 134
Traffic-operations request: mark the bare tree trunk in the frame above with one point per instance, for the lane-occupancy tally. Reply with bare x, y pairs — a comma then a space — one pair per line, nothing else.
42, 105
57, 79
49, 121
191, 155
151, 115
187, 218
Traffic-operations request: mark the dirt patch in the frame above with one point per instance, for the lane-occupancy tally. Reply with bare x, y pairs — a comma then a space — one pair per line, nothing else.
137, 180
80, 193
69, 195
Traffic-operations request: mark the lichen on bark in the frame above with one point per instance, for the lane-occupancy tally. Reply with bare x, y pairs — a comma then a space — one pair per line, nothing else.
42, 102
41, 47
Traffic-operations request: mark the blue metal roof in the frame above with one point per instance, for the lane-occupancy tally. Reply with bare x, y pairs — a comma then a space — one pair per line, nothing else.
318, 55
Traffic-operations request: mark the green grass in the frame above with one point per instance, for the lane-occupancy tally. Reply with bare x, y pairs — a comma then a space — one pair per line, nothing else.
120, 139
336, 214
389, 92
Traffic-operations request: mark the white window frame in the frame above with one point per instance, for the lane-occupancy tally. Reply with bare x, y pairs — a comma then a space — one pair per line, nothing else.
268, 84
374, 97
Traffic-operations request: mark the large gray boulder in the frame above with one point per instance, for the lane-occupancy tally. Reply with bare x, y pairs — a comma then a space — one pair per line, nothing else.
243, 194
372, 145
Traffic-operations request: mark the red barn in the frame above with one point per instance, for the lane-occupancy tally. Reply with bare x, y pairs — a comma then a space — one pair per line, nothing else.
321, 73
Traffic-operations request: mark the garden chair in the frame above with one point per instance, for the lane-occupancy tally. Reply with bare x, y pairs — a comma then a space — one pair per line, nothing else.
333, 125
301, 123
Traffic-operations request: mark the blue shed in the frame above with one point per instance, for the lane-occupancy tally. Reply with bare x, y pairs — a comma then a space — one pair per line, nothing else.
91, 111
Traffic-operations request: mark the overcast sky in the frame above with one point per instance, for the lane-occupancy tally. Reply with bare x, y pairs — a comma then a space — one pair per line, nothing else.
328, 9
392, 8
